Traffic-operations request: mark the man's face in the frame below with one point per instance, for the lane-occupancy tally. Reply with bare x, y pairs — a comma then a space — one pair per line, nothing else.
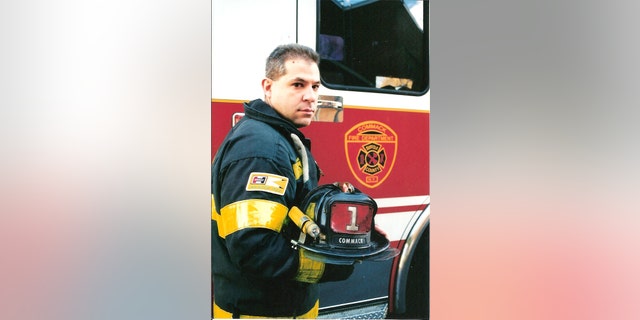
295, 94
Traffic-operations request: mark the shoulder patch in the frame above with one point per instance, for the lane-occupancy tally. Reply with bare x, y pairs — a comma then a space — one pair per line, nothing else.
267, 182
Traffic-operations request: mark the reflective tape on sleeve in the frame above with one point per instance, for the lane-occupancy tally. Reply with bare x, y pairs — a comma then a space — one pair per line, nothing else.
310, 271
252, 213
214, 212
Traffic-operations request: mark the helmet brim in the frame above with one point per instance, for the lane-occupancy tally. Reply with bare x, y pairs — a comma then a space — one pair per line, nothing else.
379, 250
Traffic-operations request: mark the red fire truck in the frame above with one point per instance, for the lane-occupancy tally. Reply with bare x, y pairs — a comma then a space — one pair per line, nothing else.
371, 128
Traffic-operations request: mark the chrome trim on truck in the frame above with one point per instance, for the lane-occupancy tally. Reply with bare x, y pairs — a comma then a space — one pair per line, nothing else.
412, 239
375, 308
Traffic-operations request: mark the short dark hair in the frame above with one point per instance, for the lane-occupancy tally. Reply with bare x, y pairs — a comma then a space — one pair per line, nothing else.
275, 62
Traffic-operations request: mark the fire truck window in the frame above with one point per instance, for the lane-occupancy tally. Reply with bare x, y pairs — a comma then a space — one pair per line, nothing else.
374, 45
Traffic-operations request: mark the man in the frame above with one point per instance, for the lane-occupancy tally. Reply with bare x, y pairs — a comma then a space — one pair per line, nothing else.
263, 169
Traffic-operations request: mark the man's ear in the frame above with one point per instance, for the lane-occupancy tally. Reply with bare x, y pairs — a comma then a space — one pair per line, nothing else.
266, 87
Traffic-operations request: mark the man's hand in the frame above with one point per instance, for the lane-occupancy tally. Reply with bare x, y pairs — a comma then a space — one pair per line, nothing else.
345, 186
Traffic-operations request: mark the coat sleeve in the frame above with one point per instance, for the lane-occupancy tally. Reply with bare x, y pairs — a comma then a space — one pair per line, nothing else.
255, 194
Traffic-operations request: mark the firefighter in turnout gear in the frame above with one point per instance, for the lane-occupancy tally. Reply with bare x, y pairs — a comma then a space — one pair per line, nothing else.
262, 171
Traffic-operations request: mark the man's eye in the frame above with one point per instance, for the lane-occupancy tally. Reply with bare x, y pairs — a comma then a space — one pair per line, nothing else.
297, 85
316, 87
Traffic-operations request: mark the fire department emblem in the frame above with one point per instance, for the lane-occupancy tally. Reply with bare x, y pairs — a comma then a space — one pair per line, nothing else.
371, 151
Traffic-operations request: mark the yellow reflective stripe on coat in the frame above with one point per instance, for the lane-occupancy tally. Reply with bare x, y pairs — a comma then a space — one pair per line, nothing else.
297, 169
214, 212
251, 213
310, 270
219, 313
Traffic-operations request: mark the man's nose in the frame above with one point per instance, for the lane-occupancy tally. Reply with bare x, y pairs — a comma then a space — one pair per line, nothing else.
310, 95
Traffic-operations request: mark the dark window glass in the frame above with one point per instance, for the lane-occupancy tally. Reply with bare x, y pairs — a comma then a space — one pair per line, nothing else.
374, 45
